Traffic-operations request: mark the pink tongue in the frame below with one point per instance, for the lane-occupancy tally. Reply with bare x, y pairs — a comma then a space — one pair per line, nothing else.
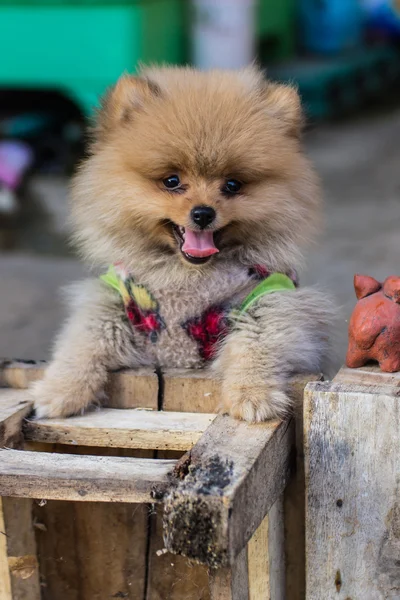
199, 243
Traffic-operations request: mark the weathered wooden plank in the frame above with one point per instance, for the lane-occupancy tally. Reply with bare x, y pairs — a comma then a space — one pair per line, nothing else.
14, 407
172, 577
190, 391
17, 541
91, 550
266, 557
21, 548
230, 480
125, 389
20, 374
352, 448
231, 583
294, 501
86, 478
276, 552
258, 563
136, 388
5, 575
131, 388
130, 428
371, 376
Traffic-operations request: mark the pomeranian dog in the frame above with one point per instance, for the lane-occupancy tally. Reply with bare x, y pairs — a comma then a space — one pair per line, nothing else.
197, 192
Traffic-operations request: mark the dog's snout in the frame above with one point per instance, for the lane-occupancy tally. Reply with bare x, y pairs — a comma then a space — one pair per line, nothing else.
203, 216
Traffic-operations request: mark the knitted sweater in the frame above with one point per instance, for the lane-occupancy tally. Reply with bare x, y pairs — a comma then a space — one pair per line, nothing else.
183, 326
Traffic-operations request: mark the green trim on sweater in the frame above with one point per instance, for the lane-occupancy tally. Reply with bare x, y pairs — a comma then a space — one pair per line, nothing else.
276, 282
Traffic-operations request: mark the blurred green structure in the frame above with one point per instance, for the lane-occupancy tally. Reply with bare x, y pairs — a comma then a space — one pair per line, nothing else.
338, 85
276, 29
80, 47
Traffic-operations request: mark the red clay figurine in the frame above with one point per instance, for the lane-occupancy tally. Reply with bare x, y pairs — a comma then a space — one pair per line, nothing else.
374, 329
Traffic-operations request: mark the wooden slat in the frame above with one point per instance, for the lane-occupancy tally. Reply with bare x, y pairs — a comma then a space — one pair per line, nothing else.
74, 560
231, 583
22, 563
231, 478
294, 501
276, 552
258, 563
5, 575
20, 374
190, 391
172, 577
125, 389
352, 449
92, 550
14, 407
266, 557
136, 388
17, 540
130, 428
86, 478
370, 375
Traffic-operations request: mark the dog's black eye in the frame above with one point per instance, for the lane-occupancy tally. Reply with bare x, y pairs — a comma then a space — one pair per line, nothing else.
232, 186
172, 182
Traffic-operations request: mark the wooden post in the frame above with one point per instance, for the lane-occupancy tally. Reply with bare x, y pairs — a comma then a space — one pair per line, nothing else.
231, 583
5, 575
266, 557
352, 461
19, 573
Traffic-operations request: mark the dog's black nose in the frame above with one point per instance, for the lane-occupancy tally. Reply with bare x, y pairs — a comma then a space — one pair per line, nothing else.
203, 216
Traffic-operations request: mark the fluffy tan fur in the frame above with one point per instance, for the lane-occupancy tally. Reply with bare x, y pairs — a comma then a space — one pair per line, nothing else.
206, 127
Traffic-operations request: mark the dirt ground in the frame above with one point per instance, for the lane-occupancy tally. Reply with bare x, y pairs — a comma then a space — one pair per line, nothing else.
359, 165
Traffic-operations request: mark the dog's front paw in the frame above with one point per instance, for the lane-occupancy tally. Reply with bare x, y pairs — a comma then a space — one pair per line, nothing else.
254, 403
60, 397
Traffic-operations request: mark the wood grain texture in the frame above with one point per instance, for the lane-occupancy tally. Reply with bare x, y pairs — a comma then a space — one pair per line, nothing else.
266, 557
125, 389
130, 428
190, 391
276, 551
85, 478
233, 476
352, 448
180, 391
20, 374
5, 575
231, 583
18, 550
132, 389
294, 501
91, 550
371, 376
14, 407
172, 577
258, 563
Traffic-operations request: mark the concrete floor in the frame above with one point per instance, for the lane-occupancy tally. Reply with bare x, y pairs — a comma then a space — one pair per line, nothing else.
359, 165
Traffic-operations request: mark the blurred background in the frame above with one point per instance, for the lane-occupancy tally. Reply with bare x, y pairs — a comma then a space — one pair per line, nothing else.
58, 56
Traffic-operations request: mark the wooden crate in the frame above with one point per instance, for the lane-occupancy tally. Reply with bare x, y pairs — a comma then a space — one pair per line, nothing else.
352, 450
93, 506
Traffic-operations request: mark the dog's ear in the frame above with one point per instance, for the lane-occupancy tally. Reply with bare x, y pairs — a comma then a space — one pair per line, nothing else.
120, 103
283, 103
365, 286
